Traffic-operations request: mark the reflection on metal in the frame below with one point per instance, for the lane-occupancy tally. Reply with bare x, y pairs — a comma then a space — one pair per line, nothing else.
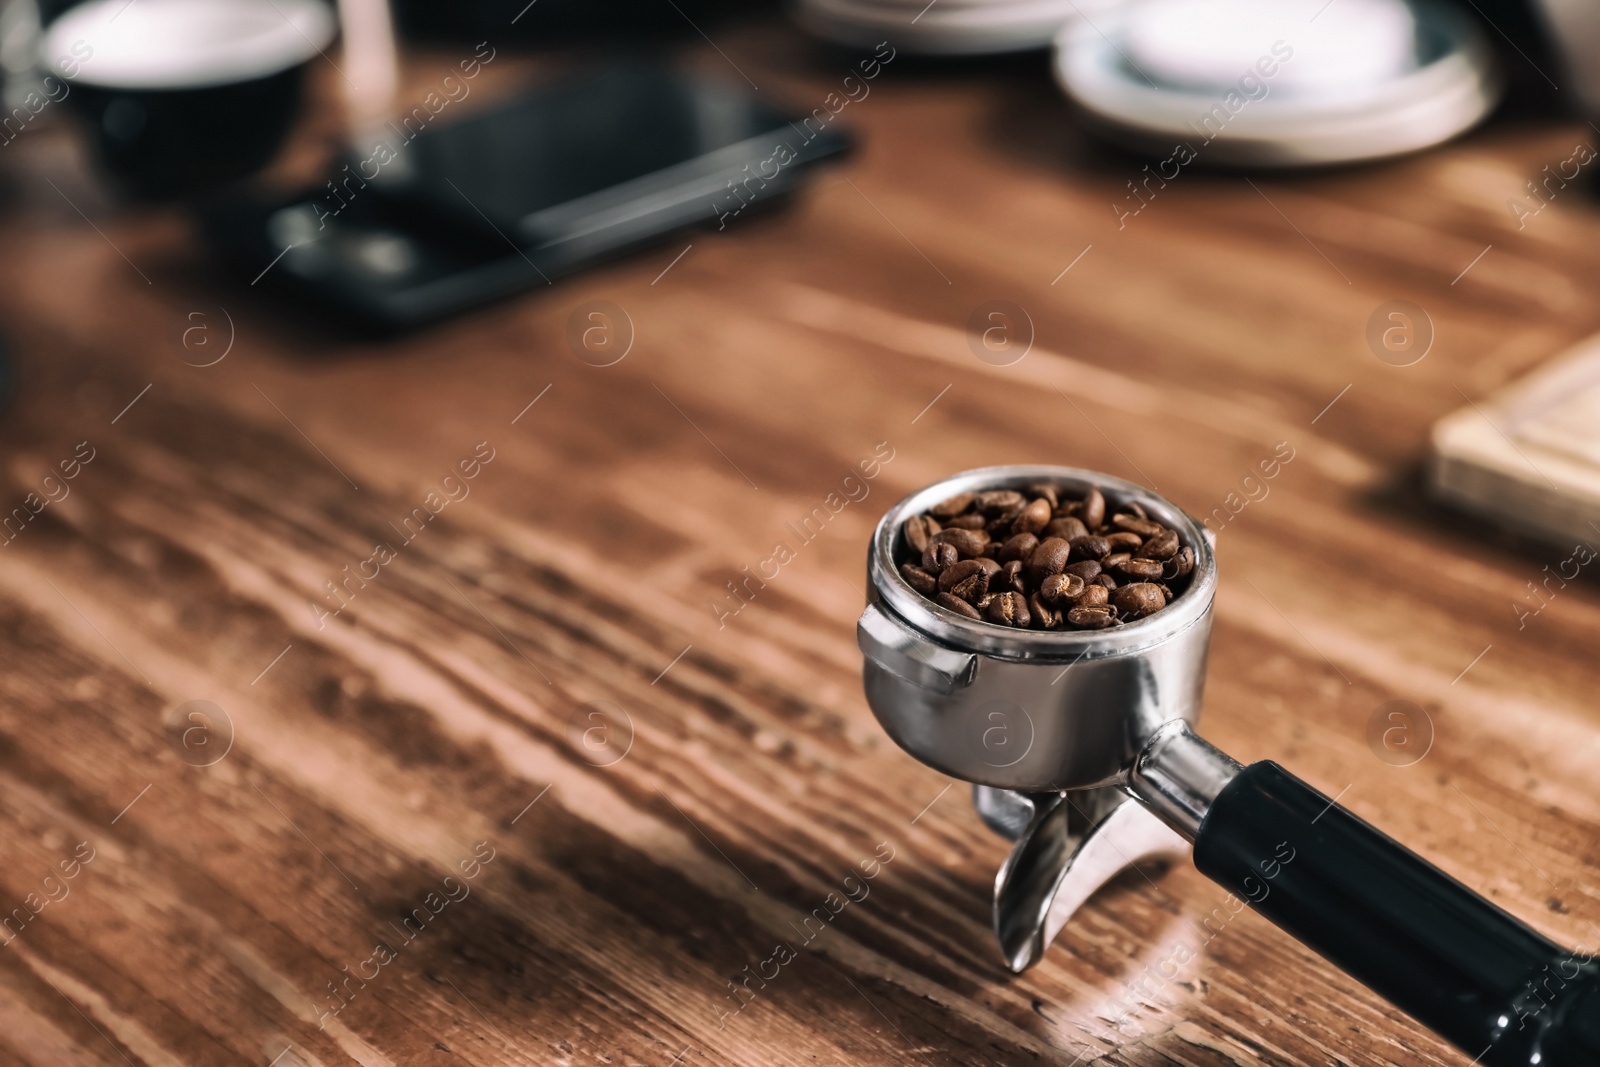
1071, 845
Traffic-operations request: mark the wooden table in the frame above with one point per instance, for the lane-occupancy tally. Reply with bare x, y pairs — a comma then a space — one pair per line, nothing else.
552, 669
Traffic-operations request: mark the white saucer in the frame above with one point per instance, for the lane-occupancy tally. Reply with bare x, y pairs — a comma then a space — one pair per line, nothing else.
1453, 85
946, 27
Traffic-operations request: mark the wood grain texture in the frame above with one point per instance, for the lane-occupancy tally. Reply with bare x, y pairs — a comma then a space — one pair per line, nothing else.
388, 741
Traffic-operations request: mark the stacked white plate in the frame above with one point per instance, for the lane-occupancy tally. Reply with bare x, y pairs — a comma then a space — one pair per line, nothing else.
945, 27
1279, 82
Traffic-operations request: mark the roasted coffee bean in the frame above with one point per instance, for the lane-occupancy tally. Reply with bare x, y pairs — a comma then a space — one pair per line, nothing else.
968, 542
1095, 618
1089, 547
947, 509
972, 589
919, 579
957, 605
937, 556
919, 530
1179, 565
1047, 559
1139, 570
1138, 600
1087, 569
1059, 587
1019, 547
997, 502
1008, 609
1163, 545
1094, 509
1033, 518
960, 572
1044, 558
1067, 528
1123, 541
1137, 524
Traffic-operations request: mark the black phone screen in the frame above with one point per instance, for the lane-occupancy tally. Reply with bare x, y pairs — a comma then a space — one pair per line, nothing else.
562, 160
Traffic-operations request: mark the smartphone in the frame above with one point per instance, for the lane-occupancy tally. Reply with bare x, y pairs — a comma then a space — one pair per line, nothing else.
448, 215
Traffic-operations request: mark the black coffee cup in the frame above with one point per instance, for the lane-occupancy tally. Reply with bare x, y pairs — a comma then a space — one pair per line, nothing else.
183, 96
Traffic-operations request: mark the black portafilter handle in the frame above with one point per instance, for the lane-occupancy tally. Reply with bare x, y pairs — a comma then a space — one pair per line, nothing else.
1467, 969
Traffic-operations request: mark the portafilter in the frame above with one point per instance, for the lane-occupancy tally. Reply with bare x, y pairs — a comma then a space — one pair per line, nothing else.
1080, 748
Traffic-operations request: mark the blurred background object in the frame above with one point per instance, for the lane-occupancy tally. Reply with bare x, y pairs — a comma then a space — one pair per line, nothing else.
8, 374
181, 96
1528, 457
1574, 28
946, 27
185, 100
1349, 47
19, 53
1279, 82
564, 22
430, 219
371, 68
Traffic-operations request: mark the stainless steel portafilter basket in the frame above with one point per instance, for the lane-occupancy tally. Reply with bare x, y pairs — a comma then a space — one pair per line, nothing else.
1031, 710
1080, 749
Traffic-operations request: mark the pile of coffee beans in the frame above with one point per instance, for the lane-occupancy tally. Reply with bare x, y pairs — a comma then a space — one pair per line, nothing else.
1041, 559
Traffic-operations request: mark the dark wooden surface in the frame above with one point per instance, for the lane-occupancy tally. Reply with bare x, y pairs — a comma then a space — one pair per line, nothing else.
370, 759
